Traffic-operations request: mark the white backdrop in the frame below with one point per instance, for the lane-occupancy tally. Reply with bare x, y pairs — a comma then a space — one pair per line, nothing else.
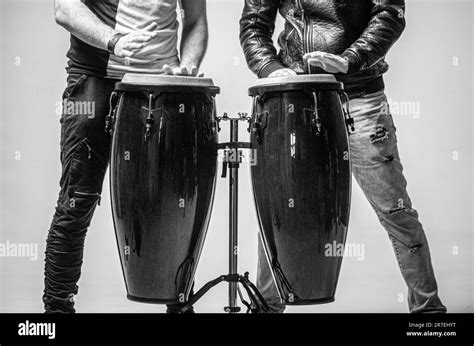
431, 68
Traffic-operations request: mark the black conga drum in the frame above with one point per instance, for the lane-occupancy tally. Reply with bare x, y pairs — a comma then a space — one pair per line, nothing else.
163, 175
301, 182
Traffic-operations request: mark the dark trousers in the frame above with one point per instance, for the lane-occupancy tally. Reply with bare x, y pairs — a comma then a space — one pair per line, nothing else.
85, 151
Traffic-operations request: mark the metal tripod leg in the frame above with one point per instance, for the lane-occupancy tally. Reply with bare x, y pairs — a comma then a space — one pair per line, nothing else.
257, 302
233, 212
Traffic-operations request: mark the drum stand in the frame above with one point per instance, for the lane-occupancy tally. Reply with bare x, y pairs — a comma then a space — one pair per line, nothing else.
232, 160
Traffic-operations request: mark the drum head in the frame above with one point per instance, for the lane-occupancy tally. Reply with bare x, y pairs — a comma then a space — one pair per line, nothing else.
133, 81
301, 82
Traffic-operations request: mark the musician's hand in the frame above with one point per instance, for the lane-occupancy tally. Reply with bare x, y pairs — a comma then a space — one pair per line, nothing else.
182, 71
283, 72
328, 62
128, 45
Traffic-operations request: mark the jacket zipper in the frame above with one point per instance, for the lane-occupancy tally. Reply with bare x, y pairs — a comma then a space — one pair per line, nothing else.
307, 42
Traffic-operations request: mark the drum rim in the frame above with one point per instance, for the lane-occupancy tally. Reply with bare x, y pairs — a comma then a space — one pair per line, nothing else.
294, 83
161, 80
304, 78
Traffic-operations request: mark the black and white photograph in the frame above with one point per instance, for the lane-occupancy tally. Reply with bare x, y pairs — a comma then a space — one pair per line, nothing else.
236, 172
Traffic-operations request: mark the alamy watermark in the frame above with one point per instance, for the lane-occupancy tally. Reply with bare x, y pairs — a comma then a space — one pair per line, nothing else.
9, 249
336, 249
238, 156
68, 107
401, 108
28, 328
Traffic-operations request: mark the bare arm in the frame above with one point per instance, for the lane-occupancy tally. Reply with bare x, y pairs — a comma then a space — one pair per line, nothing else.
194, 39
195, 32
80, 21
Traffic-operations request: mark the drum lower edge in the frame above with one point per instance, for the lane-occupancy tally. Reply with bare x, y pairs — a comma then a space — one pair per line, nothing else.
312, 301
151, 301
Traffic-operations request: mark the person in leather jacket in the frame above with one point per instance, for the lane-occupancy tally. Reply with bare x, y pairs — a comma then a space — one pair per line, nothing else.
350, 39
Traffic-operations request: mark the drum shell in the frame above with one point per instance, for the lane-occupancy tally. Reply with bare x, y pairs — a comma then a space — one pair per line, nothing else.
162, 188
302, 188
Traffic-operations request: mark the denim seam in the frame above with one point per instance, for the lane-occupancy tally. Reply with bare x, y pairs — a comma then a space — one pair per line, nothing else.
391, 237
397, 252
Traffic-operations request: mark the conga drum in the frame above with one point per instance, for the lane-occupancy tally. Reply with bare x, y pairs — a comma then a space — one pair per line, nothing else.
163, 175
301, 182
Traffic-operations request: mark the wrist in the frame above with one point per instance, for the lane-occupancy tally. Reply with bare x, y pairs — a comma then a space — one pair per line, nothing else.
353, 62
187, 63
113, 42
271, 67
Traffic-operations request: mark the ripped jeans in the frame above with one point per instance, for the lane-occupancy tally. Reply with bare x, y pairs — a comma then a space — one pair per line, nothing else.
378, 171
85, 151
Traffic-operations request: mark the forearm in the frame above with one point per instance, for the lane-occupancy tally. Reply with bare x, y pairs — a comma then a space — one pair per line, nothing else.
194, 42
256, 30
80, 21
384, 29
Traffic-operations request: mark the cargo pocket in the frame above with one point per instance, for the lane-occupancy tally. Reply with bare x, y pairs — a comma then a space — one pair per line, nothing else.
87, 170
84, 185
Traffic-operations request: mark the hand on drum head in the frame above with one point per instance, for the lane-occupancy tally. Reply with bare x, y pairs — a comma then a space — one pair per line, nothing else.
129, 44
182, 71
328, 62
283, 72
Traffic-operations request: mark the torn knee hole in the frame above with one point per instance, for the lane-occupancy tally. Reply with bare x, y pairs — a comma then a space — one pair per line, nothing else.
389, 158
397, 210
415, 247
380, 135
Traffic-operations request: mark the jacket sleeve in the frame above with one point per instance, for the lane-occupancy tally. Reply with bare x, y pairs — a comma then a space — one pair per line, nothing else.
256, 30
385, 27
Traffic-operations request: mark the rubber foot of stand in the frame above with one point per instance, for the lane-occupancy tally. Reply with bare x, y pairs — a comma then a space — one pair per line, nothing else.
230, 310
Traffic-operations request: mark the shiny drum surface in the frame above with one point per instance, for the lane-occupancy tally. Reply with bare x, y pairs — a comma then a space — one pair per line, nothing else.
301, 183
163, 175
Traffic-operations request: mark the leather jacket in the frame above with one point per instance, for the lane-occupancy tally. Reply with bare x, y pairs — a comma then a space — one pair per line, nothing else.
362, 31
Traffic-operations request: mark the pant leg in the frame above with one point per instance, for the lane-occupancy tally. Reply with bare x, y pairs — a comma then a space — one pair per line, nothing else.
378, 170
85, 149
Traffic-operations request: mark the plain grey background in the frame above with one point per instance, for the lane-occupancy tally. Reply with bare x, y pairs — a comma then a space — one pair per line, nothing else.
431, 65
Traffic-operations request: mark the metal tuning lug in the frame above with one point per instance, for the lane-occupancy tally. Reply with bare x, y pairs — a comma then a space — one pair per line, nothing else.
212, 128
259, 120
347, 114
315, 120
110, 118
215, 126
259, 125
149, 119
